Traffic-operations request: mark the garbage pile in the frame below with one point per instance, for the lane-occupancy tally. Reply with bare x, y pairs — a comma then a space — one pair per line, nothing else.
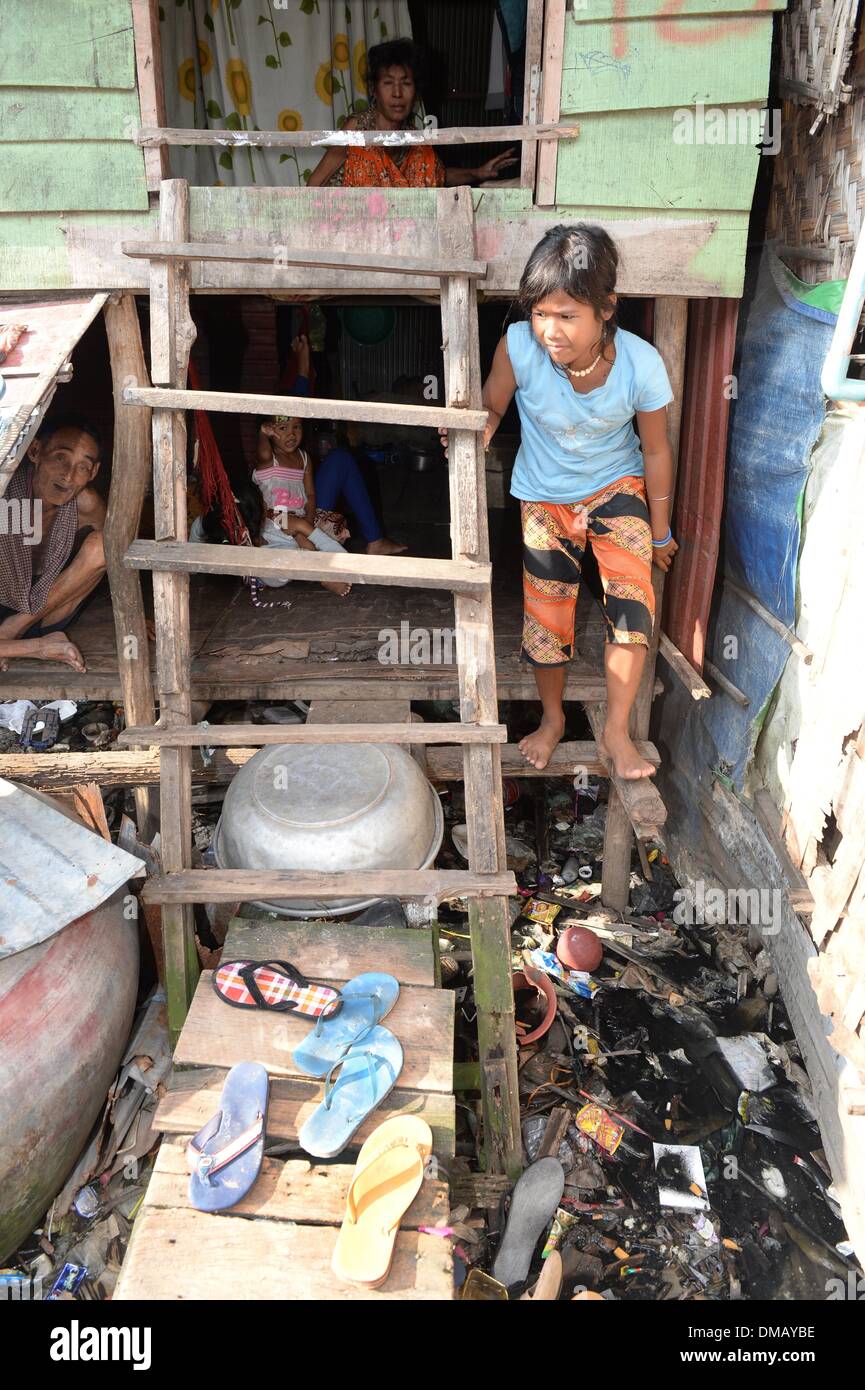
667, 1118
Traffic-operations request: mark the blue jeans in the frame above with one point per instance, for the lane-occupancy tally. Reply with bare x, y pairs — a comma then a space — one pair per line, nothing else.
338, 475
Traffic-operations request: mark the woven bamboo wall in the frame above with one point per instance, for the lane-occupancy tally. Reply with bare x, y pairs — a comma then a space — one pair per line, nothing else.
818, 192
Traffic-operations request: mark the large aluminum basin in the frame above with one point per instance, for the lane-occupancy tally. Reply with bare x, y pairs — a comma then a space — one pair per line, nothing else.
331, 809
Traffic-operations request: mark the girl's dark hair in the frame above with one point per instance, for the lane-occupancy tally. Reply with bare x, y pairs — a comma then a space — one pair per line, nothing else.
582, 261
250, 504
396, 53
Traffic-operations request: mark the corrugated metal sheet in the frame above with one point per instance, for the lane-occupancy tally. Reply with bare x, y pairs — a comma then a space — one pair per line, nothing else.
700, 481
52, 869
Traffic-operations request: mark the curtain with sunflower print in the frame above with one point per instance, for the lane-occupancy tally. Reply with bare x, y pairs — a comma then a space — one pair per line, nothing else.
267, 65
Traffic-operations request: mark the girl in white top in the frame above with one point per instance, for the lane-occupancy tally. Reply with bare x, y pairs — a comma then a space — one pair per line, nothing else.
285, 478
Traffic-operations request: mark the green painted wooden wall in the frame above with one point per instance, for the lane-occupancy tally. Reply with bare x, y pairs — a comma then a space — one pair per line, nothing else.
68, 112
627, 85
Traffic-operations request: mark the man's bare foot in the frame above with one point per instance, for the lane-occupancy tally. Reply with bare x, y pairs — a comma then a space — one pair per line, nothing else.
336, 587
538, 748
622, 753
386, 547
57, 647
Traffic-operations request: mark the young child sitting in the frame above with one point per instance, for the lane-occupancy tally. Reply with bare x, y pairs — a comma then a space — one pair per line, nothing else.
285, 477
583, 477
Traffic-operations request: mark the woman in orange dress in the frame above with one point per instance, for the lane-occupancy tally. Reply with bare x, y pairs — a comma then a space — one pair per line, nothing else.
394, 79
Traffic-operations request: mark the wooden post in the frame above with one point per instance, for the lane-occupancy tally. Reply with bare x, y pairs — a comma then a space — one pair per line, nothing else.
172, 334
551, 99
130, 470
151, 91
532, 88
671, 327
489, 920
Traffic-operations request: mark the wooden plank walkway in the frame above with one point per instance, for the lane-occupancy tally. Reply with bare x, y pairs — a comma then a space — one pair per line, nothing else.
277, 1243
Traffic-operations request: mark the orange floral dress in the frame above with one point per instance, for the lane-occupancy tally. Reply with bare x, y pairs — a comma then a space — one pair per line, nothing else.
412, 166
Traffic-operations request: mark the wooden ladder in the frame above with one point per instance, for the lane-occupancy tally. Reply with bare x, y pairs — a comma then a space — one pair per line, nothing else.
171, 558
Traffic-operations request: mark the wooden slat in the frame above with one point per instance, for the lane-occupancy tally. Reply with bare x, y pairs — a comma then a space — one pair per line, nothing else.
278, 255
325, 951
446, 764
532, 86
291, 1190
551, 78
234, 735
55, 771
314, 139
192, 1255
260, 885
683, 670
306, 407
151, 91
415, 572
794, 643
193, 1096
726, 685
215, 1035
799, 896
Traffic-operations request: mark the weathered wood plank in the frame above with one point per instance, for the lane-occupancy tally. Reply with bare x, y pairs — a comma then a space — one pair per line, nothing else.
57, 771
551, 88
101, 177
641, 798
188, 1255
215, 1035
623, 63
327, 951
307, 408
234, 735
683, 670
288, 1190
151, 88
414, 572
265, 885
313, 139
56, 114
277, 256
87, 43
446, 764
193, 1096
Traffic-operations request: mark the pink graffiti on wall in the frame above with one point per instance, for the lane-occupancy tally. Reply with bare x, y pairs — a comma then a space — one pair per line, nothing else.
672, 32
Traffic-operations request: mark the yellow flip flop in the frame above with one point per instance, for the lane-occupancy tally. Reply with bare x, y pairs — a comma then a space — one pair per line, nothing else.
387, 1178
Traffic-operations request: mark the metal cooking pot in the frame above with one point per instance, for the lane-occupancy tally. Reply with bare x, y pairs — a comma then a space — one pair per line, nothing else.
329, 808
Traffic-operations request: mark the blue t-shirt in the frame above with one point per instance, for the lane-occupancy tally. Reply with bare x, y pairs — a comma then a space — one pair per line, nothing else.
573, 445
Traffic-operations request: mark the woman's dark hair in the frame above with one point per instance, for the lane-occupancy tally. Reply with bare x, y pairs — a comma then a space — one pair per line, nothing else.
582, 261
396, 53
250, 504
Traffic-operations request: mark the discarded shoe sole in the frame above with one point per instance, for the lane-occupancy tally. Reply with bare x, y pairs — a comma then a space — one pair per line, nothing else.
533, 1204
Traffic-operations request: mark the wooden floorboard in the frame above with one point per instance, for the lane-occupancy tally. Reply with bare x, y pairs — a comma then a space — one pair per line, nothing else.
182, 1255
288, 1190
193, 1096
216, 1035
328, 951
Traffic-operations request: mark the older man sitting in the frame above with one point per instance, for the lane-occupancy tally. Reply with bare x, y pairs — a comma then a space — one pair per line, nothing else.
51, 551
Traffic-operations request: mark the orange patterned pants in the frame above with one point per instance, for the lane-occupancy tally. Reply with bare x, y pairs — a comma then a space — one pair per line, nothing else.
615, 522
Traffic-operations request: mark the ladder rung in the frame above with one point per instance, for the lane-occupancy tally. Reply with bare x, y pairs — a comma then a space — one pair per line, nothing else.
291, 257
446, 764
308, 408
247, 735
411, 572
250, 885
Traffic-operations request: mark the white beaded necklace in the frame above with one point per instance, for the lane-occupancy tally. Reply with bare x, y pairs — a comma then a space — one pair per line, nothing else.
586, 370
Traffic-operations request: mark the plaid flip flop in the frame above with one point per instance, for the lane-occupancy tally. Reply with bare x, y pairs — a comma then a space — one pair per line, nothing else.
274, 985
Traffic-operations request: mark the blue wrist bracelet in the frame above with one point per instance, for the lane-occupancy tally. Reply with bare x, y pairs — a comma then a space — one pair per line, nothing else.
665, 541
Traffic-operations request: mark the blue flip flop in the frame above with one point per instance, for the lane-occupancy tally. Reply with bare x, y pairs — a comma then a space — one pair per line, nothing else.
225, 1155
366, 1000
356, 1084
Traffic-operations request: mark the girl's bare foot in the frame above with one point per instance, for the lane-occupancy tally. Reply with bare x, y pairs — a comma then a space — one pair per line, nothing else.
57, 647
385, 547
538, 748
622, 753
336, 587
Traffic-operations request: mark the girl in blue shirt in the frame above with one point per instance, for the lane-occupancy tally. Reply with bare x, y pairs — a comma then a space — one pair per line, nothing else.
582, 475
